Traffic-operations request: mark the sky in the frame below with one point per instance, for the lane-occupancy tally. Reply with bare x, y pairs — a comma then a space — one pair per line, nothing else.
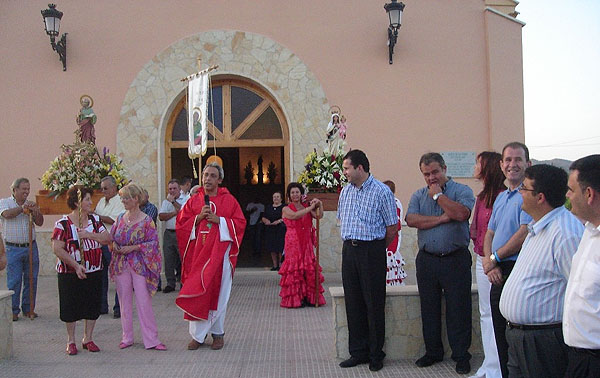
561, 77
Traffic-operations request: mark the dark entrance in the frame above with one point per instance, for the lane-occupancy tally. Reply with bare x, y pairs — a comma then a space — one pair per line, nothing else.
243, 190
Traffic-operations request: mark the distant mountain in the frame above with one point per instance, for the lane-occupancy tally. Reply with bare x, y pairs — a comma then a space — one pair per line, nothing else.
561, 163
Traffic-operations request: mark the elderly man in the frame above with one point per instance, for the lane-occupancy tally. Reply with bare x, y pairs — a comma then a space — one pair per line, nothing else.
169, 209
506, 232
210, 228
14, 214
108, 208
581, 318
369, 222
533, 296
440, 211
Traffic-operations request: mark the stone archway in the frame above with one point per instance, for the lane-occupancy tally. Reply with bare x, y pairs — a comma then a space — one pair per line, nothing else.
155, 90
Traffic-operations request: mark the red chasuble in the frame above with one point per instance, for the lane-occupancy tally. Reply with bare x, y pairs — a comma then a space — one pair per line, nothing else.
202, 258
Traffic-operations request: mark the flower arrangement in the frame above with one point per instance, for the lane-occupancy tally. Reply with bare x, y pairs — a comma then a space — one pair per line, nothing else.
82, 162
323, 172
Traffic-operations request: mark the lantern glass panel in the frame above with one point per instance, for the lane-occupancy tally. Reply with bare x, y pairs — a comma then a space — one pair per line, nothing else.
52, 25
395, 17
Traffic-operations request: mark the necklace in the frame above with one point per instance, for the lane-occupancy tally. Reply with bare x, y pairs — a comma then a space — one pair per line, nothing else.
130, 220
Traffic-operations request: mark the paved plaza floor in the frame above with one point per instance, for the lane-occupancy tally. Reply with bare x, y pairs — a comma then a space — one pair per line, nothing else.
262, 340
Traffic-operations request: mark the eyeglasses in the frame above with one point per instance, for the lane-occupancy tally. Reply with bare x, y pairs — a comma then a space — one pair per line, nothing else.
524, 189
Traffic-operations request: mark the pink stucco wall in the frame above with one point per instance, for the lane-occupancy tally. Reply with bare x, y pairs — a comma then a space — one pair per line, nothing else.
448, 72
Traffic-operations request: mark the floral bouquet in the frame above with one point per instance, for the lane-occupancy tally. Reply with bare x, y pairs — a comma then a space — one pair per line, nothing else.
323, 172
82, 162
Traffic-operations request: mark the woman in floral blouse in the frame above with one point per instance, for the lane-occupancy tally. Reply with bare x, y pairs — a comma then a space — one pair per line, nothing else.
135, 267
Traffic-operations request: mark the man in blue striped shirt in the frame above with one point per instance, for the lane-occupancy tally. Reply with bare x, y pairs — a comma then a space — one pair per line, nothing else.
441, 212
369, 222
533, 296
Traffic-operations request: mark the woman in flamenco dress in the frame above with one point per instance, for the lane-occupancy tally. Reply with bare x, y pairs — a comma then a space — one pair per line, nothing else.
298, 269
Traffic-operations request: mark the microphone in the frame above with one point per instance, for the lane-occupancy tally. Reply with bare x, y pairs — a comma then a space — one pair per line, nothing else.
207, 203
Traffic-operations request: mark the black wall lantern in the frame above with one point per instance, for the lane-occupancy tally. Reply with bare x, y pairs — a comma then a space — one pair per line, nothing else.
52, 18
394, 11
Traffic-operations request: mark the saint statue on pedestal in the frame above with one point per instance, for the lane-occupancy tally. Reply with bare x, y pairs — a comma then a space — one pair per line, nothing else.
86, 119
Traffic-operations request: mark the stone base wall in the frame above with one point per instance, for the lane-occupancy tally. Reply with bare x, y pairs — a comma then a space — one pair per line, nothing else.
403, 327
6, 326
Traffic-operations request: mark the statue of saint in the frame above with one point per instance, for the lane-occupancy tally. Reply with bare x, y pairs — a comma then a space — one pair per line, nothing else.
336, 134
86, 119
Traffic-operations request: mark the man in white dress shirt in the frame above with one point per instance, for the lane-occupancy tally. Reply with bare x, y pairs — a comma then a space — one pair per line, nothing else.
581, 320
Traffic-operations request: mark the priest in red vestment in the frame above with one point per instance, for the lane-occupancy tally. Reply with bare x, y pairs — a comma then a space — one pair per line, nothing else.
209, 229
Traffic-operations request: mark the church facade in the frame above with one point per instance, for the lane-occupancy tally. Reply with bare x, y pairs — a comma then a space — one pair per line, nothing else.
455, 85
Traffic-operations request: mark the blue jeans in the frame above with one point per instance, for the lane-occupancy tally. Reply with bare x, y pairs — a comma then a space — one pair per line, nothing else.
17, 275
106, 257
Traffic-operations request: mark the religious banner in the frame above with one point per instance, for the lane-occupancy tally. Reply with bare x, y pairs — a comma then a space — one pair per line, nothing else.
197, 115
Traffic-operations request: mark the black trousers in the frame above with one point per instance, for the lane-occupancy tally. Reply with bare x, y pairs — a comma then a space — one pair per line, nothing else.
583, 363
498, 319
363, 275
539, 353
450, 275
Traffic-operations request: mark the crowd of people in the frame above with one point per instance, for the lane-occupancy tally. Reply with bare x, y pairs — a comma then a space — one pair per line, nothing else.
537, 266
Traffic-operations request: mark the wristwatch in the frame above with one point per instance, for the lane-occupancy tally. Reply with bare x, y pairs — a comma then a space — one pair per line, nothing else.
493, 258
436, 196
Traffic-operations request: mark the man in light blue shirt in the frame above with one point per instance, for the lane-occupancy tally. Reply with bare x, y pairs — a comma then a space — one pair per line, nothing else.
506, 232
441, 212
369, 222
533, 296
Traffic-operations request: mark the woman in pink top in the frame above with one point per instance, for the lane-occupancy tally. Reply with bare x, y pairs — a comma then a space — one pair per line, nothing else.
135, 268
488, 171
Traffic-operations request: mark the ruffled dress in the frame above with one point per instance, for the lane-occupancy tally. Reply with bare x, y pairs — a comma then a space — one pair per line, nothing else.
395, 262
298, 269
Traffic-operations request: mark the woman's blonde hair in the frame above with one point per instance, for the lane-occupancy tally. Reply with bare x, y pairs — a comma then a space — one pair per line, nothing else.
132, 190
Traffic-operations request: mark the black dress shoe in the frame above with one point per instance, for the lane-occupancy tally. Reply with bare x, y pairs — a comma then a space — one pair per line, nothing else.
353, 361
463, 367
116, 315
427, 361
168, 289
375, 365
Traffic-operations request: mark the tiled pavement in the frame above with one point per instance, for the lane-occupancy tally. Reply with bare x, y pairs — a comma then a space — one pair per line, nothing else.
262, 340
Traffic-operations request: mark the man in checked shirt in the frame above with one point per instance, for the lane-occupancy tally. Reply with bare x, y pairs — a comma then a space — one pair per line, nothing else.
14, 215
369, 222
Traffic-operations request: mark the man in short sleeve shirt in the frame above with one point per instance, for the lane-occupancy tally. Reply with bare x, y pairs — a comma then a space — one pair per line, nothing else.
440, 211
369, 222
506, 232
169, 209
14, 215
108, 209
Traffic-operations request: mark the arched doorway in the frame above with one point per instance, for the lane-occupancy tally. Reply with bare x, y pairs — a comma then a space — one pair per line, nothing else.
249, 133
